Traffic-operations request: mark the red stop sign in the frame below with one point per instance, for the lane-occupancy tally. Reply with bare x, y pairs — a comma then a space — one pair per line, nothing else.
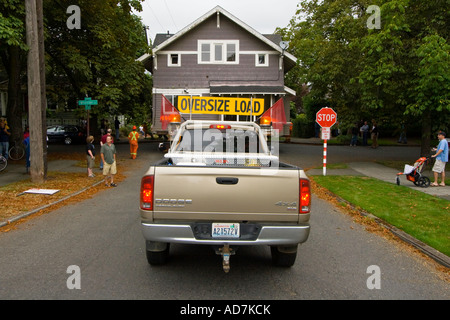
326, 117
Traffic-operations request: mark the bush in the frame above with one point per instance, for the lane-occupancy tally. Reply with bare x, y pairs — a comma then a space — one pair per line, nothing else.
302, 127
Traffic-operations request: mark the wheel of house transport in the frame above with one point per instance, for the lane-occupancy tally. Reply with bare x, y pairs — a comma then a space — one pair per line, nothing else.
397, 180
158, 257
282, 259
424, 182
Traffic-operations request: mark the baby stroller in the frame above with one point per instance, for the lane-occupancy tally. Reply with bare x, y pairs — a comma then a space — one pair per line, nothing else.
414, 173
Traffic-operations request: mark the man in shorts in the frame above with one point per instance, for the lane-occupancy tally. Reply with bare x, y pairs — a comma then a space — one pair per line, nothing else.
441, 159
108, 154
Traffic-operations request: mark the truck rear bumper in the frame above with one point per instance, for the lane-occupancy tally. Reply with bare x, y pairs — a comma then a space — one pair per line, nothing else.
268, 235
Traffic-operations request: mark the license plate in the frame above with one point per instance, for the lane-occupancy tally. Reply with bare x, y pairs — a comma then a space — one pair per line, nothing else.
225, 230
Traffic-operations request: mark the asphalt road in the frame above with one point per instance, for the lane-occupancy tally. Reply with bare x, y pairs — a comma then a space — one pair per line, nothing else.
97, 244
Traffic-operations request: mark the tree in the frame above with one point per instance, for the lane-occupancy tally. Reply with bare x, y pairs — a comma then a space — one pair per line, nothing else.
13, 56
397, 70
322, 36
99, 59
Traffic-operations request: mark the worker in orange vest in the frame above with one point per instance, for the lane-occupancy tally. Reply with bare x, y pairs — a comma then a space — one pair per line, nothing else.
133, 140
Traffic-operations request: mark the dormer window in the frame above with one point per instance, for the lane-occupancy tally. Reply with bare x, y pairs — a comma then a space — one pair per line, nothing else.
218, 51
262, 60
174, 60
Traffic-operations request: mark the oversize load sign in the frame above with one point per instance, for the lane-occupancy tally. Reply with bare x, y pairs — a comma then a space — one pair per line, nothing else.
221, 105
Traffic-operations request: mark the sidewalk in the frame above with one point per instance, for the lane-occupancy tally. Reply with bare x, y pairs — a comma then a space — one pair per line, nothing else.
378, 171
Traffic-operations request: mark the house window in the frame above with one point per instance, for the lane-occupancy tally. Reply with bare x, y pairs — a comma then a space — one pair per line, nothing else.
262, 60
206, 52
174, 60
218, 51
231, 52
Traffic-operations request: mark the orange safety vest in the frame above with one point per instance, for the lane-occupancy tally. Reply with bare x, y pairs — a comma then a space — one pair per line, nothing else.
132, 135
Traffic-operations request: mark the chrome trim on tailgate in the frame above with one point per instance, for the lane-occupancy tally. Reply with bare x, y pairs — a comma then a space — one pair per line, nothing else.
182, 233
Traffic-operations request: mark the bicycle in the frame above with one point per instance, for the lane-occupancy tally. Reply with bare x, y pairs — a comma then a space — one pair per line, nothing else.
17, 151
3, 163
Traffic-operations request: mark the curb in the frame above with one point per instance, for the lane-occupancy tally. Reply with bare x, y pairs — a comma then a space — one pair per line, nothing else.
434, 254
29, 213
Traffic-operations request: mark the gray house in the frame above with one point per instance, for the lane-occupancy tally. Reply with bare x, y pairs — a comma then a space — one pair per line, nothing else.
218, 55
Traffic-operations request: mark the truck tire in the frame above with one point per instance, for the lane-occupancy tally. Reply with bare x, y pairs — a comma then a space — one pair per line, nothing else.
158, 257
283, 259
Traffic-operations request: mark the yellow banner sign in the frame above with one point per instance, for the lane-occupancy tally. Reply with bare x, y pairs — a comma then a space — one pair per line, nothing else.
221, 105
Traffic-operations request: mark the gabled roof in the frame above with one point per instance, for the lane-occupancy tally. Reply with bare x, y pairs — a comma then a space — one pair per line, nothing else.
162, 41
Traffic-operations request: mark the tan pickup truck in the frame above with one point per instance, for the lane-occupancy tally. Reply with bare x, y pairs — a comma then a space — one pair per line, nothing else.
220, 184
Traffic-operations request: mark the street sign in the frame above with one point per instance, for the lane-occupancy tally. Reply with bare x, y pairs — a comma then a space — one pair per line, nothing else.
87, 103
326, 133
326, 117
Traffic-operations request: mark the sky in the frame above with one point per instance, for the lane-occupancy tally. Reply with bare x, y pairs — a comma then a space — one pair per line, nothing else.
264, 16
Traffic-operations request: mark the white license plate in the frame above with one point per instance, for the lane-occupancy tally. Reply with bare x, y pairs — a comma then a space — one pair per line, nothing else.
225, 230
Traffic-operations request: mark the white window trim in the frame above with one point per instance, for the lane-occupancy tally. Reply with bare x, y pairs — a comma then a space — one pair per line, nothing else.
266, 59
169, 59
224, 44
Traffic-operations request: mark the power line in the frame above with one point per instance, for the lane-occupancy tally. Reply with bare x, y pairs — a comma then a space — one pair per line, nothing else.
156, 17
171, 15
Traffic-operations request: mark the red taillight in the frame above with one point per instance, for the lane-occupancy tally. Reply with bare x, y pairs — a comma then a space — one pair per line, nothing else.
305, 196
147, 184
220, 126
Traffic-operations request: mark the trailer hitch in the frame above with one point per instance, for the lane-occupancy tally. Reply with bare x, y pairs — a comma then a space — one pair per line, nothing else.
226, 252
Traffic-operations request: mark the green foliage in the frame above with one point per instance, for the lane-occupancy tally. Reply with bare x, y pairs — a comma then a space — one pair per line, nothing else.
12, 25
302, 127
397, 72
423, 216
99, 59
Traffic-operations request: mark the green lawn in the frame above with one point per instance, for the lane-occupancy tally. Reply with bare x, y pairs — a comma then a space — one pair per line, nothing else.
424, 217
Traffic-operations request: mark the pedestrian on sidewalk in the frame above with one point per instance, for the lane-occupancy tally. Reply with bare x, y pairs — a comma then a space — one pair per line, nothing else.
374, 134
103, 141
90, 155
402, 138
365, 133
117, 128
133, 140
4, 138
355, 132
26, 142
441, 159
108, 154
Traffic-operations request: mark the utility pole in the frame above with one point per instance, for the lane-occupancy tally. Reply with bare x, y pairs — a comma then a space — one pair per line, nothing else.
38, 168
40, 24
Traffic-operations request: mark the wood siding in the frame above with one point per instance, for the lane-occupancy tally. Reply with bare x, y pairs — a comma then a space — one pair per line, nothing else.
190, 75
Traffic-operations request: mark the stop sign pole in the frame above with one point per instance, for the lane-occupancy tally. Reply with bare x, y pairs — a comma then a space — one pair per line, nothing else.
326, 118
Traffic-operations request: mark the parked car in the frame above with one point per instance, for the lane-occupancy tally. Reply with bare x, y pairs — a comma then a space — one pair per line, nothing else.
66, 133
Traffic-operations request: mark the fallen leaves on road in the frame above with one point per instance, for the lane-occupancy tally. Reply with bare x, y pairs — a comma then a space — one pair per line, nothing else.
15, 203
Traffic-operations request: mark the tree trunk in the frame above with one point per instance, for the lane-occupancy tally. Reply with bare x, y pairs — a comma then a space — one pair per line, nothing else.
41, 46
15, 98
37, 168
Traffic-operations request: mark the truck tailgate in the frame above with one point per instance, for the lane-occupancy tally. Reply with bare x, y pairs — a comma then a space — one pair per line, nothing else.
233, 194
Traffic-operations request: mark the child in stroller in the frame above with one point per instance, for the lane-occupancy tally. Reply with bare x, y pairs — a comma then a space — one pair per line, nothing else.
414, 173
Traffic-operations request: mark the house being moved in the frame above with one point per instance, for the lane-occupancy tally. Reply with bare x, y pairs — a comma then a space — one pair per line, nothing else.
225, 62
